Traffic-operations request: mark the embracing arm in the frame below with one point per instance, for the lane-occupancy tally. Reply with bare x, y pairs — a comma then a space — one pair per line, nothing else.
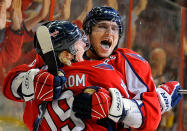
143, 92
14, 78
27, 82
141, 88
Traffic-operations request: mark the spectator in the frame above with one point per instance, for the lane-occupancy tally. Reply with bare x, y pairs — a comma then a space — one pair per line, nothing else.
11, 45
158, 60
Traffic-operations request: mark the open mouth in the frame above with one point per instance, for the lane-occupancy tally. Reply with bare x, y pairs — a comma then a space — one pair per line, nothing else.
106, 44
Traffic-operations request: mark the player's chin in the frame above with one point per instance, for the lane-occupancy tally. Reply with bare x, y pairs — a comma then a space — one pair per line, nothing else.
105, 55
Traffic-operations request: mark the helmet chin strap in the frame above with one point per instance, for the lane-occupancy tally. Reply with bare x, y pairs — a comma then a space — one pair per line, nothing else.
74, 59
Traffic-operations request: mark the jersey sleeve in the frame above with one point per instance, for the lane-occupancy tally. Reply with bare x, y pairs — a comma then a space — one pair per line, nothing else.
141, 87
10, 89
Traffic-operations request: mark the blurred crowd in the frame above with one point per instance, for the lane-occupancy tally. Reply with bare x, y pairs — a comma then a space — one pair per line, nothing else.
155, 35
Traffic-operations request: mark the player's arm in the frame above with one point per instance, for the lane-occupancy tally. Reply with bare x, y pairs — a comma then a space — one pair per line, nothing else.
141, 86
10, 87
144, 101
168, 98
98, 104
15, 75
27, 82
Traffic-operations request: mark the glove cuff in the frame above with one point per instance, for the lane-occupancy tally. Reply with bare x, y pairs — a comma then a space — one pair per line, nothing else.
27, 89
133, 116
117, 109
164, 99
125, 110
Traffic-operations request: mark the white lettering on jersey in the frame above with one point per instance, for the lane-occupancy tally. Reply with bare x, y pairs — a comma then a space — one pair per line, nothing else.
80, 80
71, 80
75, 80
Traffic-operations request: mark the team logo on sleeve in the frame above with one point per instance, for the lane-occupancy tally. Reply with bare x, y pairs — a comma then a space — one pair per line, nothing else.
104, 66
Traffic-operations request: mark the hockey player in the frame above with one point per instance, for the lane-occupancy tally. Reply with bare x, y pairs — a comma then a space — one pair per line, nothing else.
69, 45
141, 108
104, 28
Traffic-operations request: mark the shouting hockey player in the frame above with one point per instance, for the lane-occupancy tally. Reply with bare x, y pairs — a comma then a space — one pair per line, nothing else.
134, 102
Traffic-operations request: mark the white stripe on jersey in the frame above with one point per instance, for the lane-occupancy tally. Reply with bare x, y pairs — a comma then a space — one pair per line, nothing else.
134, 84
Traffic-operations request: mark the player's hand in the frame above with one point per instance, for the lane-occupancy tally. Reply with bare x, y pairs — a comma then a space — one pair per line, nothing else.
41, 85
117, 111
48, 87
168, 95
58, 83
94, 103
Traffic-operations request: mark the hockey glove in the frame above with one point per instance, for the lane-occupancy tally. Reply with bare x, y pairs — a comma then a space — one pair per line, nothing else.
58, 83
168, 95
117, 111
124, 110
47, 86
94, 103
41, 85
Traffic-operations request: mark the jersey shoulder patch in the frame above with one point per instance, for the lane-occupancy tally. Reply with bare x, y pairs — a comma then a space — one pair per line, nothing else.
136, 56
129, 54
104, 66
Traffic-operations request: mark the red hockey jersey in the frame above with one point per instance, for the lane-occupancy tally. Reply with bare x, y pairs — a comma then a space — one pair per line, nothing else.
59, 114
131, 68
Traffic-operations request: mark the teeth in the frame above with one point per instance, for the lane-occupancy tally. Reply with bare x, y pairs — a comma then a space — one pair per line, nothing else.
105, 46
108, 39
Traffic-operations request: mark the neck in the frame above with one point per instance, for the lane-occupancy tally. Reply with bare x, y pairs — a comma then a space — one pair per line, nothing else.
92, 55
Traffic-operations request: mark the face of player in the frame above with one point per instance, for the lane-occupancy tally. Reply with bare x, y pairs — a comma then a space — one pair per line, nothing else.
104, 38
80, 47
67, 58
